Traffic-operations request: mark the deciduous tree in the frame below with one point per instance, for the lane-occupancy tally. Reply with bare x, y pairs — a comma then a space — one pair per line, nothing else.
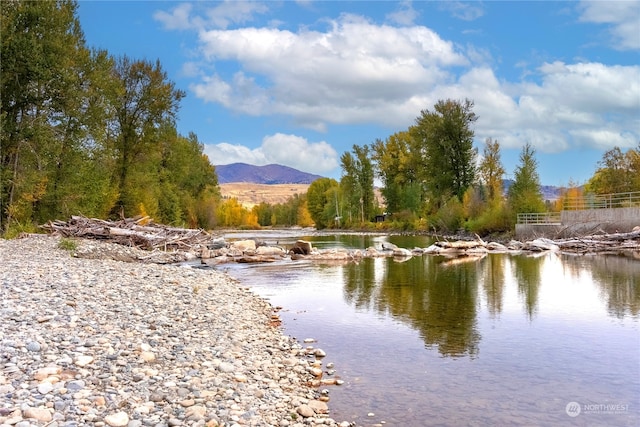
617, 172
143, 101
491, 170
356, 184
445, 138
44, 75
322, 201
398, 166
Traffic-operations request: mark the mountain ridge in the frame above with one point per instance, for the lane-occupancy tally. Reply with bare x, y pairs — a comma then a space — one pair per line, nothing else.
267, 174
273, 174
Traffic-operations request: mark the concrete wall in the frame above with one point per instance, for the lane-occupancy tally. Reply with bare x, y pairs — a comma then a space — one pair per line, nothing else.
577, 223
613, 220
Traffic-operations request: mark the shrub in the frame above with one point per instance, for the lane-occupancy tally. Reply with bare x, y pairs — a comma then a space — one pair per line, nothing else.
16, 228
449, 217
496, 219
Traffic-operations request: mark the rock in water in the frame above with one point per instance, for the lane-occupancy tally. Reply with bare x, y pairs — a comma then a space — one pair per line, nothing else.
302, 247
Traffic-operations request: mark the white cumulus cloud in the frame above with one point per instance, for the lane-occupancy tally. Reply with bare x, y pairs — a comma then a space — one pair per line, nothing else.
348, 74
356, 71
284, 149
623, 18
574, 105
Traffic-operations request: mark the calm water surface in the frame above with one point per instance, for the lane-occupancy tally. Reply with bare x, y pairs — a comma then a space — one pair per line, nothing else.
501, 340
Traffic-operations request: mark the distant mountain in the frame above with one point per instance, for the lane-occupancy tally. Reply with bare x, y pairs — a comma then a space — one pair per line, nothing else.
269, 174
549, 192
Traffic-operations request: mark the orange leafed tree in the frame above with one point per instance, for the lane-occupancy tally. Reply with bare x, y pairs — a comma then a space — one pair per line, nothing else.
572, 198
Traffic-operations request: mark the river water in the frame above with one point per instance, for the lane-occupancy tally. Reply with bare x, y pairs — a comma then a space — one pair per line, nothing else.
536, 340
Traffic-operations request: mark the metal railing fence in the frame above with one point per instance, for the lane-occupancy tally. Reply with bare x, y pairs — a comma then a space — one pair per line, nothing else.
583, 202
602, 201
539, 218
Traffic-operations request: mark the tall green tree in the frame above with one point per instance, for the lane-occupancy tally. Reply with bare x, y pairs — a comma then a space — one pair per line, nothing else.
82, 133
446, 140
143, 102
44, 75
186, 178
81, 163
524, 193
357, 184
398, 166
322, 202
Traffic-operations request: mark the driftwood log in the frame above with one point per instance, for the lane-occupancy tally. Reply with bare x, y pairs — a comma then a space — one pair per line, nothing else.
592, 243
139, 232
600, 242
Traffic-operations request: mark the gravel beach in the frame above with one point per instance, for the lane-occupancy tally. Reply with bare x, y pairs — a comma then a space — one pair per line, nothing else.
111, 343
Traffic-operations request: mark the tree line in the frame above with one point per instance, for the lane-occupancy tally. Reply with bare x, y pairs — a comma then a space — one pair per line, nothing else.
85, 133
432, 179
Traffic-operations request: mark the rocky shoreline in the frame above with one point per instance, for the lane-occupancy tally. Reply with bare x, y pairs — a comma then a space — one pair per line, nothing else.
109, 343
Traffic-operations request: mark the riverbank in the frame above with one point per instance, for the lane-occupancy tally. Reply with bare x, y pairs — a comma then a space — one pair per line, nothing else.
105, 342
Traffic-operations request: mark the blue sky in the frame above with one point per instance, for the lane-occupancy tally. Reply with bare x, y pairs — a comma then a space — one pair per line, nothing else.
300, 82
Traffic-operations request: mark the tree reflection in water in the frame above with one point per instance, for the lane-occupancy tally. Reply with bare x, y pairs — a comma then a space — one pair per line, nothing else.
617, 276
440, 299
436, 299
527, 270
492, 279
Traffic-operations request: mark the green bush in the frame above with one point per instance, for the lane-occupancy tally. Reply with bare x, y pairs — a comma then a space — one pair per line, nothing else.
16, 228
496, 219
450, 217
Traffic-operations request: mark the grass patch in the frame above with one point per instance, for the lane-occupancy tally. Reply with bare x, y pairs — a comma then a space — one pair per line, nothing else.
68, 245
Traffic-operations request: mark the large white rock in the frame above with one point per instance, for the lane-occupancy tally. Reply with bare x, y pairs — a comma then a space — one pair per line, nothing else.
119, 419
270, 251
244, 245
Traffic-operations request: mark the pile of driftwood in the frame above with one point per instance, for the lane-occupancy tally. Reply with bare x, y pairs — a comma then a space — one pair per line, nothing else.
138, 232
601, 242
141, 233
592, 243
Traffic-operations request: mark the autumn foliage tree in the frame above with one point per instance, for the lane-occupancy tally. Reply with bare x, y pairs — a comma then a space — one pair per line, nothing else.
617, 172
491, 214
491, 170
571, 197
232, 214
290, 213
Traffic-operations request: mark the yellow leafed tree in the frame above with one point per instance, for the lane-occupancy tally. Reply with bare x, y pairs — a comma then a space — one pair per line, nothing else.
231, 213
